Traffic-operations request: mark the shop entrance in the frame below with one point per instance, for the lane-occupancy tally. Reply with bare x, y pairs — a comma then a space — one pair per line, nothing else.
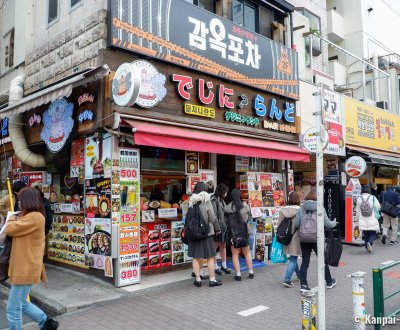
226, 171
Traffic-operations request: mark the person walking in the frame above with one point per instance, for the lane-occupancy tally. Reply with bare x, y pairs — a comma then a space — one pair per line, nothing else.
219, 204
5, 205
26, 260
243, 211
307, 216
389, 195
47, 210
365, 213
204, 249
293, 248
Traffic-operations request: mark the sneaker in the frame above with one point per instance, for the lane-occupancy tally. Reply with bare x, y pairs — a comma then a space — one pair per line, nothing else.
332, 284
383, 239
50, 324
288, 284
251, 275
305, 288
238, 278
393, 242
214, 283
226, 270
203, 277
369, 247
218, 271
197, 283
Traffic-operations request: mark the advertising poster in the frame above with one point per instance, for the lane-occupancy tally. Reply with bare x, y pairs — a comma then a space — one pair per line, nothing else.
192, 162
98, 157
97, 237
352, 229
241, 164
155, 240
334, 123
129, 269
255, 198
32, 178
129, 240
77, 157
243, 182
371, 127
208, 177
178, 250
290, 181
191, 182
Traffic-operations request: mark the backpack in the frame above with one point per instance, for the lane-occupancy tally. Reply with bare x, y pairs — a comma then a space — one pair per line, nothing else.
237, 230
284, 232
308, 227
365, 207
195, 227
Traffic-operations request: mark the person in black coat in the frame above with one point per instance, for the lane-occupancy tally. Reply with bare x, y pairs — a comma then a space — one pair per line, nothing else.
393, 197
47, 208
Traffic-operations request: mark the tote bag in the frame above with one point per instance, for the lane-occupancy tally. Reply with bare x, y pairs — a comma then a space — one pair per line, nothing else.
277, 255
334, 249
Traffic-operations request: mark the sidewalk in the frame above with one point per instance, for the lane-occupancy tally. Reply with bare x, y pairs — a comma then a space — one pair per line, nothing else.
170, 299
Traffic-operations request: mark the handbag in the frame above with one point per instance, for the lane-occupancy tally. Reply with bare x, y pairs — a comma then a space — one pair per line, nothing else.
5, 252
376, 211
334, 248
277, 255
389, 208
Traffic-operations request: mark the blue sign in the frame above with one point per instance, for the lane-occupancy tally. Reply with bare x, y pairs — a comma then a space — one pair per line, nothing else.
86, 115
274, 112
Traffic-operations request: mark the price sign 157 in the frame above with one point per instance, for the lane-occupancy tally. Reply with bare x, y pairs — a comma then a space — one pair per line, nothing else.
129, 217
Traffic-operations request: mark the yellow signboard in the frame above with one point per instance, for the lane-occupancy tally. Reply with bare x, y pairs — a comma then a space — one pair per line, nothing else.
371, 127
197, 110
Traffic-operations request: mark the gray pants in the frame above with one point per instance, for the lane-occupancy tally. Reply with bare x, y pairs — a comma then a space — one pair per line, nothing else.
387, 222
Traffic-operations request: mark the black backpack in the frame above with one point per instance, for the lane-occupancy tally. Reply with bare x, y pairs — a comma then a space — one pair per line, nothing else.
284, 232
195, 227
237, 230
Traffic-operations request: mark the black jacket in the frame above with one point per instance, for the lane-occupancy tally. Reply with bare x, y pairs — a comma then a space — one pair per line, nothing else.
390, 196
49, 215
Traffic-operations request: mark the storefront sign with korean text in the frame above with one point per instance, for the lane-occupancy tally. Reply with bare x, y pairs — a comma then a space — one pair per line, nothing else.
5, 138
32, 178
371, 127
334, 123
204, 42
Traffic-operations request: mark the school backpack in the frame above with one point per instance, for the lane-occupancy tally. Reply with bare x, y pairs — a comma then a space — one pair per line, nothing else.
365, 207
308, 227
195, 227
237, 230
284, 232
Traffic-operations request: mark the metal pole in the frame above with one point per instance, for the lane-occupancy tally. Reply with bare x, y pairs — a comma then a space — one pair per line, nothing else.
311, 59
309, 311
358, 300
379, 303
363, 82
320, 212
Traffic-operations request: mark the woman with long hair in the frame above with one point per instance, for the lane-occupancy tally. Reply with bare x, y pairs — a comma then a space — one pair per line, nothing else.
219, 204
26, 261
242, 211
204, 248
293, 248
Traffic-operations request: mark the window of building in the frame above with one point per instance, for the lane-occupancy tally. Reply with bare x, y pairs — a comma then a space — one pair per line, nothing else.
53, 11
75, 3
6, 53
245, 13
11, 53
205, 4
315, 24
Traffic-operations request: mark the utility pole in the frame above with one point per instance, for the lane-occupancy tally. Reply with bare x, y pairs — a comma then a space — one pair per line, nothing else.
320, 208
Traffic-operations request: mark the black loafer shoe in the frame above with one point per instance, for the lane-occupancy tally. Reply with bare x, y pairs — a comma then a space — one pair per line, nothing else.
198, 284
218, 271
214, 283
251, 275
238, 278
226, 270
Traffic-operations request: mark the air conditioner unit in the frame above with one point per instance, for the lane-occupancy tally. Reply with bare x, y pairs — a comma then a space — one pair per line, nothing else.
382, 105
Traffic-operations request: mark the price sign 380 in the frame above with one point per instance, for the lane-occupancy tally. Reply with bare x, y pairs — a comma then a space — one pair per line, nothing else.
129, 274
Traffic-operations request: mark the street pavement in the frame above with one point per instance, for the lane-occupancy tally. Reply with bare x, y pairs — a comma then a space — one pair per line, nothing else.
183, 306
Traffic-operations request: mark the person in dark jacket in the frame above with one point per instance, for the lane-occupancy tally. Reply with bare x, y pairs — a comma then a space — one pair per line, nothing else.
47, 209
310, 205
391, 196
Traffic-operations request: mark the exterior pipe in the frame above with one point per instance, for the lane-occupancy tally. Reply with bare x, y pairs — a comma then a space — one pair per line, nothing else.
16, 133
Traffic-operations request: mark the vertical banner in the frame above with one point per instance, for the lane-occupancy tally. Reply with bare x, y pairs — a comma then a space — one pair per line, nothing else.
334, 123
128, 186
352, 229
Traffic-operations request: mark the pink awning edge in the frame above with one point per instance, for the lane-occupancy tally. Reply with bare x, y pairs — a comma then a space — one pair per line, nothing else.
167, 136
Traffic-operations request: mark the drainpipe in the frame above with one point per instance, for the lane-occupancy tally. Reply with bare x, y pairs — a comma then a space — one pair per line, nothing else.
15, 126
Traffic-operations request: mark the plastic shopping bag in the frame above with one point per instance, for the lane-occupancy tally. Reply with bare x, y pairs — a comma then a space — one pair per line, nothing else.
277, 255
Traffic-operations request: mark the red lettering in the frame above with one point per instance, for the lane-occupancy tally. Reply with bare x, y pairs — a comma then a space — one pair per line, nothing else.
201, 92
184, 83
223, 97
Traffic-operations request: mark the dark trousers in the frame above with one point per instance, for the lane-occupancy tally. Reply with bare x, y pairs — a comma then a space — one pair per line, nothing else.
306, 249
369, 236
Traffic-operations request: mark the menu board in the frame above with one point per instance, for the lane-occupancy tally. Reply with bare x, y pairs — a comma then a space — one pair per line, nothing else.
155, 245
264, 189
67, 240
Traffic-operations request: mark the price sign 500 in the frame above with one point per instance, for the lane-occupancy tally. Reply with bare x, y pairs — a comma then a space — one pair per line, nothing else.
127, 174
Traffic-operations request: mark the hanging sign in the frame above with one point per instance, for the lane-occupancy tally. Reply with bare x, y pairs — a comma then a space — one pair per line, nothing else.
30, 178
355, 166
192, 162
34, 120
310, 139
5, 138
58, 124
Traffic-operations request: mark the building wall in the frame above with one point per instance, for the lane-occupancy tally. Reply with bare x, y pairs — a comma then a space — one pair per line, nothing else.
69, 45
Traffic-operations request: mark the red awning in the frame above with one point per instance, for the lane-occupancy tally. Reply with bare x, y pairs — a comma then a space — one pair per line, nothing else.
167, 136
